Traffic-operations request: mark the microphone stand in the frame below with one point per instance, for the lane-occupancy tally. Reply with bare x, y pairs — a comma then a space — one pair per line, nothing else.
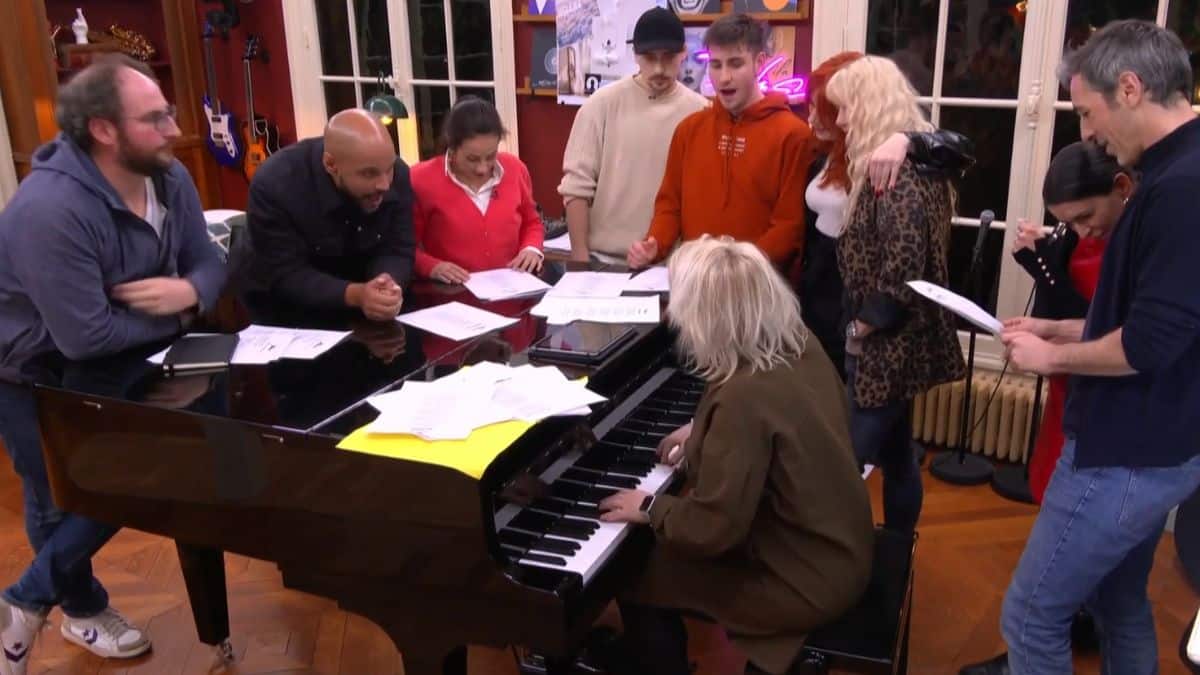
1011, 481
962, 467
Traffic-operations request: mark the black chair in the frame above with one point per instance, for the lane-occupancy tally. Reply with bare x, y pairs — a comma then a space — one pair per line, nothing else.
873, 636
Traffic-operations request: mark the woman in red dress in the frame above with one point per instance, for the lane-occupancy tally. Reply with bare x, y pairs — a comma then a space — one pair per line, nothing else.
1085, 190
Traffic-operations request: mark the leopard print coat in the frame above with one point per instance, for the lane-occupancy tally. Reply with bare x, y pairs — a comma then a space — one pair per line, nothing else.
891, 238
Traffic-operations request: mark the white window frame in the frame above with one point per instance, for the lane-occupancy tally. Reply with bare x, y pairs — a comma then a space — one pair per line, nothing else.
307, 77
8, 170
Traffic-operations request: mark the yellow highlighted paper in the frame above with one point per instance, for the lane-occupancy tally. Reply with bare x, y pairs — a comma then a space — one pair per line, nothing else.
470, 456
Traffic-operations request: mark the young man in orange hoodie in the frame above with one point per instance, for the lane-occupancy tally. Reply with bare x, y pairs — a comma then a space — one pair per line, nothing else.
738, 168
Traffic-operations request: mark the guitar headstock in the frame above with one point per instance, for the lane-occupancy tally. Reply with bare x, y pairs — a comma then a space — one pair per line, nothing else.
252, 48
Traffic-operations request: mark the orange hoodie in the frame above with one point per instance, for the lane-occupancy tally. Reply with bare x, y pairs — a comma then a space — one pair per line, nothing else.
744, 178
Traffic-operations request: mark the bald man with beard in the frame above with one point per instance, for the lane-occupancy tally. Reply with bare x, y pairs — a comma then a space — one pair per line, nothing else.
330, 225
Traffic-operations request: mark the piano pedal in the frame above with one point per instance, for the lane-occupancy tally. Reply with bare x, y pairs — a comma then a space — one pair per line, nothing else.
532, 663
224, 653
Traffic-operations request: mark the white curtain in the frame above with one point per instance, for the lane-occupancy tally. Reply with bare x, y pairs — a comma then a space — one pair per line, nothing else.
8, 171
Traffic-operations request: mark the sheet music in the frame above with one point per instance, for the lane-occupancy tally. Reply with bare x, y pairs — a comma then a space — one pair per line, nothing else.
959, 305
631, 309
655, 279
590, 285
504, 283
561, 243
452, 407
456, 321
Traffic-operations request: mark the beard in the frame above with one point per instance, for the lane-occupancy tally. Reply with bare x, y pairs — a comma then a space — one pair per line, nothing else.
367, 202
141, 161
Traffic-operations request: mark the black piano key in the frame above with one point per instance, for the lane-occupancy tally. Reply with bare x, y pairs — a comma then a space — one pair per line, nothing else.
598, 478
631, 468
567, 490
533, 521
580, 532
596, 495
647, 454
549, 505
543, 558
534, 543
622, 437
583, 511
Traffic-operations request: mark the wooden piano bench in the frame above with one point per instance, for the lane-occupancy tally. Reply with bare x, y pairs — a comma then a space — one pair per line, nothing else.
872, 638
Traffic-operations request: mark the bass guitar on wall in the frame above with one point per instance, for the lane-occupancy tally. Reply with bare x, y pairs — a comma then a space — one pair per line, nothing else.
222, 138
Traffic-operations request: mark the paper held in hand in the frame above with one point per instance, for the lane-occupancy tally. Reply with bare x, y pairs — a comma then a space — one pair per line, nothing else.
959, 305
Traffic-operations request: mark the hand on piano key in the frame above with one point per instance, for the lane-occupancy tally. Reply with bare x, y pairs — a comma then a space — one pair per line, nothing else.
670, 448
625, 507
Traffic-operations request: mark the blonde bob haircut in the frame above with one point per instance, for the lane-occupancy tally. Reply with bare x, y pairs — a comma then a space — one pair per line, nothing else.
731, 309
874, 100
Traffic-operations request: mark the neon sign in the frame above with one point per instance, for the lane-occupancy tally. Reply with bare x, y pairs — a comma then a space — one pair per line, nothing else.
795, 87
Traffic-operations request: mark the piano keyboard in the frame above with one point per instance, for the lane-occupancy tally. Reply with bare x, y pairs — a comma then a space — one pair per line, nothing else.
562, 531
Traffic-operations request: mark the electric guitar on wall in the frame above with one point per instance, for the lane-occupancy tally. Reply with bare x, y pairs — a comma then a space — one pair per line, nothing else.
260, 136
222, 139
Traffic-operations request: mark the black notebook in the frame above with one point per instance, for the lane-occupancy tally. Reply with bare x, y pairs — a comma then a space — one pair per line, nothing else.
200, 352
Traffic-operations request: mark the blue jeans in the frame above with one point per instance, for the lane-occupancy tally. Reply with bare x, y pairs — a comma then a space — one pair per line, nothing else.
61, 572
883, 436
1092, 546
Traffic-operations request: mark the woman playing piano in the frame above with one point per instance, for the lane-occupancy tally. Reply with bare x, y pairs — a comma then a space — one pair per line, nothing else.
774, 537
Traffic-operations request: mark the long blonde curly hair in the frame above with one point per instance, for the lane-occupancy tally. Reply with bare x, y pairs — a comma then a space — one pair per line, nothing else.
874, 100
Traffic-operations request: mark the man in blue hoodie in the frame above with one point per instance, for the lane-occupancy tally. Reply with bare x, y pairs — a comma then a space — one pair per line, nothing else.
102, 249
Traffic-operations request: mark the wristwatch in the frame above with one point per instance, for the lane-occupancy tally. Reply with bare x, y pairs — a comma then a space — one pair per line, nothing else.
646, 504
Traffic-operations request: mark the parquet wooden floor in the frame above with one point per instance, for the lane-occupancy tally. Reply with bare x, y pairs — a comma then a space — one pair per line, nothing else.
970, 542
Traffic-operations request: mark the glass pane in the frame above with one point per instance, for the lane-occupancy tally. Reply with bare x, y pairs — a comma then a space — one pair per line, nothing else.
1086, 16
339, 96
369, 90
1183, 17
906, 32
333, 29
986, 184
472, 21
486, 93
374, 42
962, 243
983, 49
427, 28
432, 105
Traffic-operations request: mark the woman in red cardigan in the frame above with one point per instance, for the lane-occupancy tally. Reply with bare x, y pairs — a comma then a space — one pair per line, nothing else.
474, 206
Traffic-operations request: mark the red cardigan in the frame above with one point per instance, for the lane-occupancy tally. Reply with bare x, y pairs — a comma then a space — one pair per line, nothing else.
449, 226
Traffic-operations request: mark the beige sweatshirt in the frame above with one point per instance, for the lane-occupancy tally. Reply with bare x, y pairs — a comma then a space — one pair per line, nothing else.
616, 156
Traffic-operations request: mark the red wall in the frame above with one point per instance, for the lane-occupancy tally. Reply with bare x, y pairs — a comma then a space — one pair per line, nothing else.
272, 83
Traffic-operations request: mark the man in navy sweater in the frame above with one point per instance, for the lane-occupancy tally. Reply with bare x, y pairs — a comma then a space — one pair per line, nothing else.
1133, 442
102, 249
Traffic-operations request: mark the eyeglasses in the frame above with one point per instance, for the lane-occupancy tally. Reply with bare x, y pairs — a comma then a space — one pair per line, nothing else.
163, 120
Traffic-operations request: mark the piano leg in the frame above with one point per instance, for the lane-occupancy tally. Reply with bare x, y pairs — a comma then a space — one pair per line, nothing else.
204, 575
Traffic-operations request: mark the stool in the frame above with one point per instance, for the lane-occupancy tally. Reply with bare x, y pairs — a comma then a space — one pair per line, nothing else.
872, 638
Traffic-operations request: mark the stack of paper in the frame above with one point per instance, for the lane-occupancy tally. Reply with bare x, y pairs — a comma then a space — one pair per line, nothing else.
631, 309
263, 344
504, 283
590, 285
959, 305
653, 280
456, 321
487, 393
561, 243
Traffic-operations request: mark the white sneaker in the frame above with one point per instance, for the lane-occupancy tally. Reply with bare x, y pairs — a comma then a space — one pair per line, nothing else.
18, 629
107, 634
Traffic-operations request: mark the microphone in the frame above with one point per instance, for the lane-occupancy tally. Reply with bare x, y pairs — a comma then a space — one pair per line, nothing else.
985, 224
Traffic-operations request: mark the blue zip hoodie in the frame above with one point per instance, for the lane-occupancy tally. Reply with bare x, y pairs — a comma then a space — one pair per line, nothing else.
66, 239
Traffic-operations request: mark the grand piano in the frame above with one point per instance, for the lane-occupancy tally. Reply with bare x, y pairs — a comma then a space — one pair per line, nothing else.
244, 460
